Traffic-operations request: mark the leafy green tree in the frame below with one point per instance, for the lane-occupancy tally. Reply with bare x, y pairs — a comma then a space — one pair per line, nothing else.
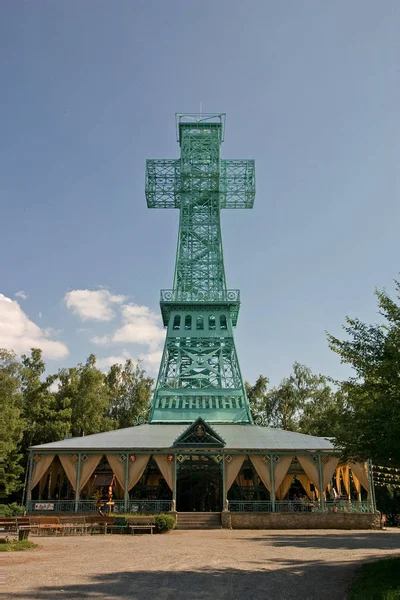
46, 419
85, 390
257, 396
371, 419
288, 400
303, 401
11, 424
322, 411
129, 393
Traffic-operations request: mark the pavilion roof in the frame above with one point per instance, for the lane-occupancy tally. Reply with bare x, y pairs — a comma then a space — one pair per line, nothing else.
162, 436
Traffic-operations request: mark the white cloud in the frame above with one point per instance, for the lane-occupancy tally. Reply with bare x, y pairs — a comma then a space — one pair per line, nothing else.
23, 295
51, 332
106, 362
141, 326
55, 386
93, 304
101, 340
19, 333
150, 362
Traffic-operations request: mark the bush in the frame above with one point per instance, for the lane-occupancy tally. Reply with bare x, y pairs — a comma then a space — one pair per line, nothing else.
164, 523
13, 510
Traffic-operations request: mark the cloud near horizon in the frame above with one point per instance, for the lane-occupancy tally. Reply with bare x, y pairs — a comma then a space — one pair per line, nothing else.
19, 333
97, 305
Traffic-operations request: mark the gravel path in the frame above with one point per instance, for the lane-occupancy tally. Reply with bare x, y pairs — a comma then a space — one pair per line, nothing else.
195, 565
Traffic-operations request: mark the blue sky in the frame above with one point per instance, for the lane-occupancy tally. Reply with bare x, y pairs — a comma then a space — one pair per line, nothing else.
89, 89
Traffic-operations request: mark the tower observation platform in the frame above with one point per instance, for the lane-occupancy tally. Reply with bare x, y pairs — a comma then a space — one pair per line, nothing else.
199, 373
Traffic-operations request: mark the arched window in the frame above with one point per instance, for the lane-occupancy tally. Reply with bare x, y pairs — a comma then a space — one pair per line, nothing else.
188, 322
211, 322
222, 322
199, 322
177, 322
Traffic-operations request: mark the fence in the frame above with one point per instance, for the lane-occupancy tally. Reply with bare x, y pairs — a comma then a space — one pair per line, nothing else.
286, 506
85, 506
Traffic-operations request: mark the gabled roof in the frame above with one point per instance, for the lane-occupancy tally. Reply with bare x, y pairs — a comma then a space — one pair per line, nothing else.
159, 437
200, 434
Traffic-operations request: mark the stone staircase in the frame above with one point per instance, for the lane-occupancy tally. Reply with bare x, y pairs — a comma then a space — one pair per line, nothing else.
198, 520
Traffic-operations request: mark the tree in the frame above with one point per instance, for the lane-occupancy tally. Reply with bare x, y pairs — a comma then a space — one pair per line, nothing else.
85, 390
321, 412
11, 424
46, 418
257, 396
371, 420
289, 404
129, 393
301, 402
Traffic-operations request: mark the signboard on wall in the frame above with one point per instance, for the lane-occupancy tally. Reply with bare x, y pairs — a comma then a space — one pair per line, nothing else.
44, 506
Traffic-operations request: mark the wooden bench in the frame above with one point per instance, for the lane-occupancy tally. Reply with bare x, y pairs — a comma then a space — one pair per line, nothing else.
98, 523
8, 526
73, 524
119, 525
46, 525
135, 523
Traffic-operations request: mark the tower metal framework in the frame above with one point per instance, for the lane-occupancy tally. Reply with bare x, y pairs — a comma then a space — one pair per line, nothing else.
199, 372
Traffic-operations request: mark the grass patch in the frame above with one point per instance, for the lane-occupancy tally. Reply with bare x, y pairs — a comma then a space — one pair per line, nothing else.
15, 546
379, 580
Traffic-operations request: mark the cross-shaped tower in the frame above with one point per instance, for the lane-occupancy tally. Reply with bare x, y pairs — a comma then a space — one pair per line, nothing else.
199, 372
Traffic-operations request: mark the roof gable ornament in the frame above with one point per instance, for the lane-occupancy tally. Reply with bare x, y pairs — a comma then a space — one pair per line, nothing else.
201, 434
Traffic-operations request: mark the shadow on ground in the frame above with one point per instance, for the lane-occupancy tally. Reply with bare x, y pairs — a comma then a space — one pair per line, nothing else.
378, 540
277, 580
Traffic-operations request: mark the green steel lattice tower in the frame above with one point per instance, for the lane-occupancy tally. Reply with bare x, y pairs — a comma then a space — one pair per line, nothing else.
199, 372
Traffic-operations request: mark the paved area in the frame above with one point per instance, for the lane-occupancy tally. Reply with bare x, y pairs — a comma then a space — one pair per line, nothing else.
195, 565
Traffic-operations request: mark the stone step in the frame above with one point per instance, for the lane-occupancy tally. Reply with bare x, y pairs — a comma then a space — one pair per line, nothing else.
199, 519
194, 520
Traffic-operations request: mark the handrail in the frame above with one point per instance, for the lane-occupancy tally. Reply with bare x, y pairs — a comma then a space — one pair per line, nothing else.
84, 506
200, 296
289, 506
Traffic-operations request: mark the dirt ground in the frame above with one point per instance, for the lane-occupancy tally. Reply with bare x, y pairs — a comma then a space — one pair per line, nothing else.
195, 565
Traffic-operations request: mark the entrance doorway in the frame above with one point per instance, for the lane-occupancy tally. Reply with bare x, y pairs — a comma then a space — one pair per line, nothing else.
199, 485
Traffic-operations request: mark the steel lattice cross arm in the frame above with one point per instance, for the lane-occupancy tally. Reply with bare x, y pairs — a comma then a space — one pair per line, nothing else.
236, 183
199, 372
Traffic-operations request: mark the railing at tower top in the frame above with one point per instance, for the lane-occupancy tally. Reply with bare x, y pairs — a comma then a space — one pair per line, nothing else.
199, 297
228, 296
